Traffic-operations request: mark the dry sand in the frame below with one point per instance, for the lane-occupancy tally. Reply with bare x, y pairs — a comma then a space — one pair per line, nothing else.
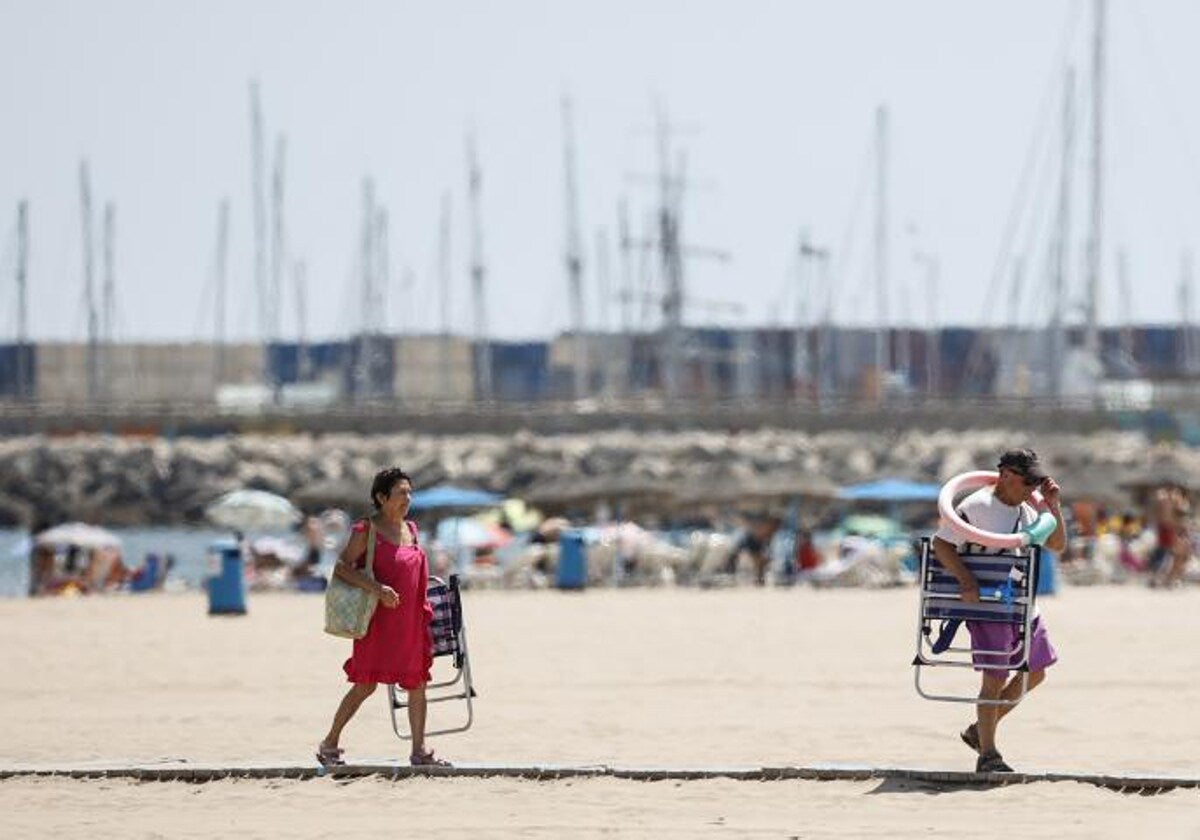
633, 677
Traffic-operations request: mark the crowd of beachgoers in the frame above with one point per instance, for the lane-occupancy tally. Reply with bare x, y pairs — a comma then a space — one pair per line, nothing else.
511, 545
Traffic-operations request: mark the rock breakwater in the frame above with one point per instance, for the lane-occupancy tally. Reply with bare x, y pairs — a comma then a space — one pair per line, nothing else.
130, 481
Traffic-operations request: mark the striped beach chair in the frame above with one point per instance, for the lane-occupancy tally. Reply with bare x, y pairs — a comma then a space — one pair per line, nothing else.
448, 640
1008, 591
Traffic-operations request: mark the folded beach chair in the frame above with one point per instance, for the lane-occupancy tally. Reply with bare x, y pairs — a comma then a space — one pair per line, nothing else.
1008, 589
448, 635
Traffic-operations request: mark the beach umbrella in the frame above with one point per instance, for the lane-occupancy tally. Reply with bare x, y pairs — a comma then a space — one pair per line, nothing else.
872, 525
562, 493
1099, 483
78, 534
287, 552
520, 516
449, 497
891, 490
1166, 472
466, 532
724, 489
252, 510
331, 493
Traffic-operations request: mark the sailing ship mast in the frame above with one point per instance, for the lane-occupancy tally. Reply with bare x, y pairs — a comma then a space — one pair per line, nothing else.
573, 254
483, 356
1058, 344
89, 284
1095, 248
22, 297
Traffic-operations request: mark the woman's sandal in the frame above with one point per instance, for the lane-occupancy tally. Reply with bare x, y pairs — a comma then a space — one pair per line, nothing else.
427, 759
330, 756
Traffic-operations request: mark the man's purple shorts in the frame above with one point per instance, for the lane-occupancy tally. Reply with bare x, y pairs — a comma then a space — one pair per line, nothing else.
991, 635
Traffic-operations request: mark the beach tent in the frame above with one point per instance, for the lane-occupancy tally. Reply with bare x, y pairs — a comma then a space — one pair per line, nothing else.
891, 491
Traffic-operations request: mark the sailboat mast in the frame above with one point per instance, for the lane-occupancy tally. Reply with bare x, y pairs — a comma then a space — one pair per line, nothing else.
573, 254
259, 204
1058, 344
444, 279
89, 285
109, 298
626, 246
300, 288
882, 350
274, 296
367, 240
221, 266
483, 356
1095, 249
22, 295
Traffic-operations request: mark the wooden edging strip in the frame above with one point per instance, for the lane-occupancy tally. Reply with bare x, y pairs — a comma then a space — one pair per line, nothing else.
943, 778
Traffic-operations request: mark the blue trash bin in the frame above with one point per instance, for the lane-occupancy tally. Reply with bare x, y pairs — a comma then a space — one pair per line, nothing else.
572, 561
227, 585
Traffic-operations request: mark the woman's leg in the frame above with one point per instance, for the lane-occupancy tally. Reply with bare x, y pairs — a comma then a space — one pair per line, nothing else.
345, 710
417, 706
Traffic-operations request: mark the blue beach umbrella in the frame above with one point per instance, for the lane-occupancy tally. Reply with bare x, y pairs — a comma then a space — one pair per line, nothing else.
448, 496
891, 490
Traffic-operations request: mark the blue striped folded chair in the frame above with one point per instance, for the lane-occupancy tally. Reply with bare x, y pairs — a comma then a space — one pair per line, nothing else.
1007, 587
448, 642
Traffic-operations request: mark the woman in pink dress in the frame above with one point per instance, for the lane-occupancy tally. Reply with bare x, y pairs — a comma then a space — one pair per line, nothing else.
396, 648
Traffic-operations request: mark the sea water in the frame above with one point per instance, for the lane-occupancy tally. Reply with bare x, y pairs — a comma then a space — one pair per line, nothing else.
189, 547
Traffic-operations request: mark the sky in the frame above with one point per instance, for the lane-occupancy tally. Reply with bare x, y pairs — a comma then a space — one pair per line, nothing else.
774, 105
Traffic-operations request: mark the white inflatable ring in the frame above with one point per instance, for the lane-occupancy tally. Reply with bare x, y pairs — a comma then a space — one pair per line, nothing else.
1034, 534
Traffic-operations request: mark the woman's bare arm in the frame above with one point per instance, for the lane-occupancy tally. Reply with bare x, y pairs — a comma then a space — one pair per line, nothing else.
346, 567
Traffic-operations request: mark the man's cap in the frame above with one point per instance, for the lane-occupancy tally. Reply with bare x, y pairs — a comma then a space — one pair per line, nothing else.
1025, 462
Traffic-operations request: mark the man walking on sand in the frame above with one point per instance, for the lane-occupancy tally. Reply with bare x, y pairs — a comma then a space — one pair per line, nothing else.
1003, 507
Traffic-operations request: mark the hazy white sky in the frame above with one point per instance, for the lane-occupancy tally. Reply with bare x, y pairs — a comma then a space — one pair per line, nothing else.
781, 97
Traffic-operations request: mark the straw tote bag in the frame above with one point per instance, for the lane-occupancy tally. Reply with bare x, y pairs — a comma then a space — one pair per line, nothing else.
348, 609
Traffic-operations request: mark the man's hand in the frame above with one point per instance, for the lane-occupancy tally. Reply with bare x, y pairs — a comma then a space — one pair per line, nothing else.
1052, 493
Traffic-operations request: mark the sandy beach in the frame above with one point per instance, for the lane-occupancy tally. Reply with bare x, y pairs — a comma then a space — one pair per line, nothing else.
668, 677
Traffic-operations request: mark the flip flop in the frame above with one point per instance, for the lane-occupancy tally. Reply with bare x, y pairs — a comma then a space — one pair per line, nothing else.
992, 762
330, 756
427, 759
970, 737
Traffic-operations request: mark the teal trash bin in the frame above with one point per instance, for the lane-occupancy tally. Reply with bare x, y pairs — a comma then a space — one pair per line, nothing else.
227, 584
572, 561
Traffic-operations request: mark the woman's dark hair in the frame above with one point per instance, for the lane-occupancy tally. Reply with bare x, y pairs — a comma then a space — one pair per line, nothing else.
384, 481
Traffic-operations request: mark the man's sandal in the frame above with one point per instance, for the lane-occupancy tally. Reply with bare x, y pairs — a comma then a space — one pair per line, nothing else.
330, 756
970, 737
992, 762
